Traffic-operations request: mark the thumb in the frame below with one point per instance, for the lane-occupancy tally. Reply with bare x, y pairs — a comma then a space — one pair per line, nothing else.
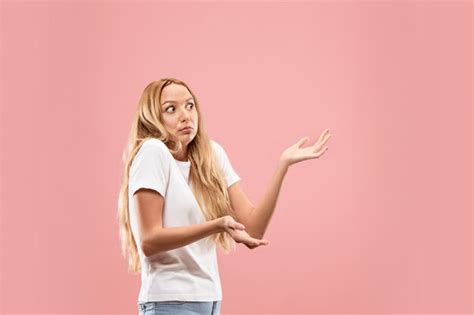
301, 141
239, 226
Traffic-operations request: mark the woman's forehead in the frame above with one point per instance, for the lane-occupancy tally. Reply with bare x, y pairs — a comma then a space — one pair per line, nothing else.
175, 91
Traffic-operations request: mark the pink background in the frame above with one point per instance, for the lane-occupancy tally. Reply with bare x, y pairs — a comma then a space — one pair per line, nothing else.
382, 223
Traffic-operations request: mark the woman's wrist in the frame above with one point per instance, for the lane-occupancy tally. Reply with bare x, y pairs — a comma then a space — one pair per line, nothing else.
218, 225
283, 164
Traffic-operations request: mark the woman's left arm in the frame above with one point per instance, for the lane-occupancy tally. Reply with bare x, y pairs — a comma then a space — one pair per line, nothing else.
256, 219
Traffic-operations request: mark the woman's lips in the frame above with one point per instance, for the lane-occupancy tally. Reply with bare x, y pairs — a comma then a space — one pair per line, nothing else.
186, 130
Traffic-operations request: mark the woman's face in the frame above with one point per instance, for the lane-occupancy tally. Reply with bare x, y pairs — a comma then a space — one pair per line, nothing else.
178, 111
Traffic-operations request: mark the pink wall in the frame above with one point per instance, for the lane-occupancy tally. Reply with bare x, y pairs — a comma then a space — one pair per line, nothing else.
380, 224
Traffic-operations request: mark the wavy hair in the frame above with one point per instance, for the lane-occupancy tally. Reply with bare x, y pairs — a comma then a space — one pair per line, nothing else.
208, 181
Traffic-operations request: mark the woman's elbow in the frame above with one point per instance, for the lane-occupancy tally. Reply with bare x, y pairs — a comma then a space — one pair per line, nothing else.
148, 249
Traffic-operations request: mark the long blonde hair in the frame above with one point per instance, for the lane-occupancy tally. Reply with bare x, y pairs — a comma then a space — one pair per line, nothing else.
207, 180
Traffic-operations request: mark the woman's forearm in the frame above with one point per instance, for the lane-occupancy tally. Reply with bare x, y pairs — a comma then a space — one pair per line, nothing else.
260, 216
164, 239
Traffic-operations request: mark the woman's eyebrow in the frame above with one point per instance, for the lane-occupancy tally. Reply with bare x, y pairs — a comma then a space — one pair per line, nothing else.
175, 101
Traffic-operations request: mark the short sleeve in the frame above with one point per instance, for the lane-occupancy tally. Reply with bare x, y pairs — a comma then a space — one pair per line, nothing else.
150, 168
226, 167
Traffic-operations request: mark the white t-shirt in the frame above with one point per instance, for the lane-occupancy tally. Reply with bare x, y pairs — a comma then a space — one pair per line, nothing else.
188, 273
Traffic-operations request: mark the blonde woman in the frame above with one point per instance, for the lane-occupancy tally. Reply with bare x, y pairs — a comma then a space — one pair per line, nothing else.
180, 197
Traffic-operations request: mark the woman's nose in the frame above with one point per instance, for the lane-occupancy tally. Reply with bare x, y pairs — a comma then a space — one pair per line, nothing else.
185, 115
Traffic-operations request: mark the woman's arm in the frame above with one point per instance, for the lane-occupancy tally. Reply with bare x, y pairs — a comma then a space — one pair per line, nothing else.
260, 215
257, 218
154, 237
164, 239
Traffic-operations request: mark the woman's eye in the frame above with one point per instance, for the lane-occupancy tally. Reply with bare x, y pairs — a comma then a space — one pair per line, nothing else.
173, 107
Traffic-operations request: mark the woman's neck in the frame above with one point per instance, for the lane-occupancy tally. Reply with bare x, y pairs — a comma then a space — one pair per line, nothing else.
182, 155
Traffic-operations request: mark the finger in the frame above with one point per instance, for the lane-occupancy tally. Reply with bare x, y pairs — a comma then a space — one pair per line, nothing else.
326, 138
301, 142
321, 149
317, 155
249, 245
239, 226
253, 242
321, 136
318, 146
325, 132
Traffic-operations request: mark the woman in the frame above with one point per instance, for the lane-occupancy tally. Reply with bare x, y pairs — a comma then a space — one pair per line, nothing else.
180, 197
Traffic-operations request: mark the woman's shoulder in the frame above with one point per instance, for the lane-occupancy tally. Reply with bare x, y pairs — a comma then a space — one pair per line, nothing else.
153, 146
154, 143
218, 149
215, 144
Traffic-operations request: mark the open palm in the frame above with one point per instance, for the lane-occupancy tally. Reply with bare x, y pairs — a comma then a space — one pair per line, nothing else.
296, 153
241, 236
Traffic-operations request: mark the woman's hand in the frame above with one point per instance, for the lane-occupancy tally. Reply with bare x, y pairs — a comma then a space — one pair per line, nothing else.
241, 236
296, 153
238, 233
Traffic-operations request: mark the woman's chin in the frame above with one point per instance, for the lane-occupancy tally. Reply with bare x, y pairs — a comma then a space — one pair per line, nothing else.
186, 138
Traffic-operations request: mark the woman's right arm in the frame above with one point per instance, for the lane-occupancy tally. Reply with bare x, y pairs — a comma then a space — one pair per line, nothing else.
154, 237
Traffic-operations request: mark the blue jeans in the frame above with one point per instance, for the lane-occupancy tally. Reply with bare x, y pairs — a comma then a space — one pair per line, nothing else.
180, 308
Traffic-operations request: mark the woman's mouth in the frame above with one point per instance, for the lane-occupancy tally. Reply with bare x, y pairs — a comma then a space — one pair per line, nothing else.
186, 130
